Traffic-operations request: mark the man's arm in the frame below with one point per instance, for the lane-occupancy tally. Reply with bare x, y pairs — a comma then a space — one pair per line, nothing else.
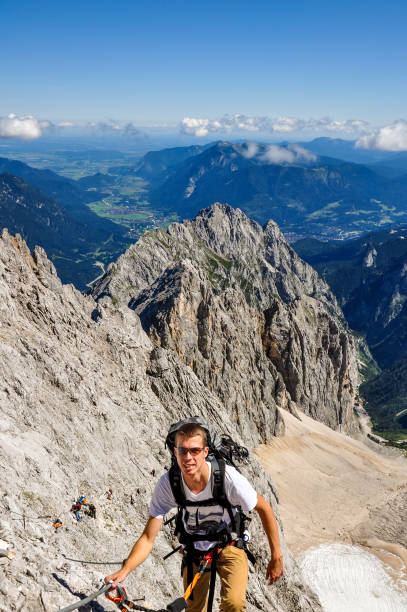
275, 566
140, 551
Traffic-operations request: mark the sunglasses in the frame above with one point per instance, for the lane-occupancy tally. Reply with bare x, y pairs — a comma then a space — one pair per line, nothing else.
181, 450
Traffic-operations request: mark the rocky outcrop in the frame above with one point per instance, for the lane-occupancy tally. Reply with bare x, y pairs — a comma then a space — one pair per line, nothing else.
234, 251
86, 399
255, 323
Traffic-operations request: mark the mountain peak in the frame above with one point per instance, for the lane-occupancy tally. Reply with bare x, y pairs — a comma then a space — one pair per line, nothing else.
222, 287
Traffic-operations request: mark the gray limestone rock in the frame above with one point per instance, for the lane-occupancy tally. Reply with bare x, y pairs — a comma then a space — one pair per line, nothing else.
255, 323
86, 401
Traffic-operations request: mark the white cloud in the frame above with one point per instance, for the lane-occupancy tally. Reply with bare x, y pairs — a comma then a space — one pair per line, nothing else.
251, 150
120, 127
389, 138
29, 127
199, 127
303, 154
26, 127
228, 123
251, 124
284, 125
347, 127
275, 154
290, 154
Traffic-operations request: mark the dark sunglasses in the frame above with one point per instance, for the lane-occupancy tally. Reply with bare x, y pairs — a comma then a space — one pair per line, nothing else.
181, 450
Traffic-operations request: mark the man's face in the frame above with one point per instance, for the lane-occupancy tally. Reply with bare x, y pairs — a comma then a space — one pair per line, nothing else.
191, 462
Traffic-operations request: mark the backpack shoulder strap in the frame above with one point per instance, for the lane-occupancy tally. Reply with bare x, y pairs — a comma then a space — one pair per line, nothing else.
218, 478
177, 486
218, 489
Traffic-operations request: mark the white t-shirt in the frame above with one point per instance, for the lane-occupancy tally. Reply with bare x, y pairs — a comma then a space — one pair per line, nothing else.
238, 490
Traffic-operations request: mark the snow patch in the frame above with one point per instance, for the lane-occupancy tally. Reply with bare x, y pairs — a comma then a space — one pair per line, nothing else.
349, 579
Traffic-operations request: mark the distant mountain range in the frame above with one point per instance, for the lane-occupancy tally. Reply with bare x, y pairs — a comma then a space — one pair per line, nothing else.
390, 164
156, 164
369, 278
305, 190
72, 195
74, 247
300, 191
364, 274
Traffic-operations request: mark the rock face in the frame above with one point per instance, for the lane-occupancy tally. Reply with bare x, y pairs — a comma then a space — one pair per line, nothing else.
86, 400
254, 322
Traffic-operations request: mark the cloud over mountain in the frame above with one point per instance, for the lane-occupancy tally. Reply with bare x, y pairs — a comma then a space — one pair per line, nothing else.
389, 138
26, 127
274, 154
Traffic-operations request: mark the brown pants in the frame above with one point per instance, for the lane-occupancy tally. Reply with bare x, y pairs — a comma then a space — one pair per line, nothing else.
232, 568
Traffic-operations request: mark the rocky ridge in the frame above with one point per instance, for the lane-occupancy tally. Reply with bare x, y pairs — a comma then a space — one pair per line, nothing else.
256, 324
86, 398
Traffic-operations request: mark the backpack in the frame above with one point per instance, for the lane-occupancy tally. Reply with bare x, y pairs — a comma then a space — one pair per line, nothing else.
222, 451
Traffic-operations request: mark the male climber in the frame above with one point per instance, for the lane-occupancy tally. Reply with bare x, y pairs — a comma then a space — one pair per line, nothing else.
207, 523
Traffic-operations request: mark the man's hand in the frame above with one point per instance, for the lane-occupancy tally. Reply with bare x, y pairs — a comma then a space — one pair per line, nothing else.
117, 577
275, 569
139, 552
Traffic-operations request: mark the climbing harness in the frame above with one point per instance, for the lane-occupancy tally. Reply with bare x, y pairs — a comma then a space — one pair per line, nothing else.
211, 557
202, 567
82, 602
179, 604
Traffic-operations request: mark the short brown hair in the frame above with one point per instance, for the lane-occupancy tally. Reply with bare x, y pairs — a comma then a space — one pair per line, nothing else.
189, 430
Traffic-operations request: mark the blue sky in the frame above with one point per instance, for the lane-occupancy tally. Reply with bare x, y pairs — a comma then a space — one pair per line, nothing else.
162, 61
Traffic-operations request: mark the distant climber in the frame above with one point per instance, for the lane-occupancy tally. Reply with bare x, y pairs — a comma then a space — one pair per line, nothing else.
91, 511
132, 499
76, 507
153, 472
109, 493
57, 524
